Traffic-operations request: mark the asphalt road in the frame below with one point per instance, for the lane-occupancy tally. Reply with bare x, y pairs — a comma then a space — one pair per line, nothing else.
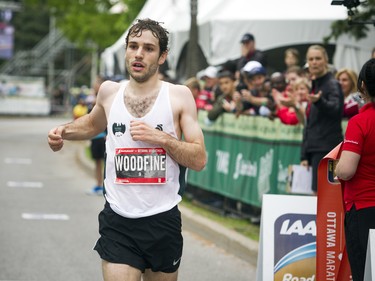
48, 225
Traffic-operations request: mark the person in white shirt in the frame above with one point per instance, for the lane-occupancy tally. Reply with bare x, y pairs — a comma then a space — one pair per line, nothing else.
153, 131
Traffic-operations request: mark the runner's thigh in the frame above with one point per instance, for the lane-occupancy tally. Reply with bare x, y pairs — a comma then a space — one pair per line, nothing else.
149, 275
120, 272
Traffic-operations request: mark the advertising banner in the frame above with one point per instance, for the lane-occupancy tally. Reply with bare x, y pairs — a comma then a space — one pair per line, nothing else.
6, 41
247, 157
287, 246
21, 95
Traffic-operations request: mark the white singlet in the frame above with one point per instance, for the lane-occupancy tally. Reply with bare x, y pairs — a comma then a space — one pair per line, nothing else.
140, 179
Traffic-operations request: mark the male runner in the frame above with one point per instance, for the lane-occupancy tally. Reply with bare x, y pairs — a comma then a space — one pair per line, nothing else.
140, 225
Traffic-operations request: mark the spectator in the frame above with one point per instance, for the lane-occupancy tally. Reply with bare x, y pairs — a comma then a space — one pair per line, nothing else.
292, 74
254, 75
58, 97
278, 81
80, 108
255, 93
229, 101
291, 58
84, 90
348, 81
278, 89
209, 77
97, 147
203, 99
278, 86
356, 170
291, 108
230, 65
322, 131
249, 53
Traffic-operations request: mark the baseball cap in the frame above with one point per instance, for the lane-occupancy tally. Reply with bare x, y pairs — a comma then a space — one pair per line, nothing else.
254, 68
247, 37
210, 72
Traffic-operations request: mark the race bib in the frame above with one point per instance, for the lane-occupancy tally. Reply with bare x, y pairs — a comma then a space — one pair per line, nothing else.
140, 165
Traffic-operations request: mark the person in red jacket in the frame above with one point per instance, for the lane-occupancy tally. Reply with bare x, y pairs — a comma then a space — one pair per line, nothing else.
291, 108
203, 98
356, 169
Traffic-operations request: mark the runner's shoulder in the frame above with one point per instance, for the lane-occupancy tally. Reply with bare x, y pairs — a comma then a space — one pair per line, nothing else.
107, 92
177, 87
109, 87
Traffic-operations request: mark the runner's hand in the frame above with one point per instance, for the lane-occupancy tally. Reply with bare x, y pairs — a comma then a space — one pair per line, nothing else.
140, 131
55, 139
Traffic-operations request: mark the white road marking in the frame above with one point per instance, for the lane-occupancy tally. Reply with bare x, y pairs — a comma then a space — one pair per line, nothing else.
40, 216
25, 184
23, 161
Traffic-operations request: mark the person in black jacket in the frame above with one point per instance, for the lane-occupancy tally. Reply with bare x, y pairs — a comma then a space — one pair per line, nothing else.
249, 52
322, 131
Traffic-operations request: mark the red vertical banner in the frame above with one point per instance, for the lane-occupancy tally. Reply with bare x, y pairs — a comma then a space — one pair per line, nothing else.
331, 257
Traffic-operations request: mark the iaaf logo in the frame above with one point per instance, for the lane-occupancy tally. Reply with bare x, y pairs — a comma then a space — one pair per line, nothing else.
295, 247
298, 227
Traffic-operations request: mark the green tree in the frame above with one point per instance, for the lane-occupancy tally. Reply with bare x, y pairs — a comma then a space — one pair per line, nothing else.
31, 25
360, 20
88, 22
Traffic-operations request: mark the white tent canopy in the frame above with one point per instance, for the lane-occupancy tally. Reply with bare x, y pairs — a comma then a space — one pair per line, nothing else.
274, 23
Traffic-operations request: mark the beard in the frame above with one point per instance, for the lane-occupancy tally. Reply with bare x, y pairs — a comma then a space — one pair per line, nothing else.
138, 77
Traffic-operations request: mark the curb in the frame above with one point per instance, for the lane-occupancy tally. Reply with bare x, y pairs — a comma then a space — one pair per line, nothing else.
225, 238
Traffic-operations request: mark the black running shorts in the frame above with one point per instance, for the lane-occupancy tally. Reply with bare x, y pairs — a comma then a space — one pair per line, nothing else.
153, 242
97, 148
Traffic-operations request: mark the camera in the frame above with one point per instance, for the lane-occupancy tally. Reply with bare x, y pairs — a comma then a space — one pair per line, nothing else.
347, 3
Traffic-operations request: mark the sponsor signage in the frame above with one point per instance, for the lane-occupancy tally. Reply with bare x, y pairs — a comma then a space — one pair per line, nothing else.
287, 248
332, 261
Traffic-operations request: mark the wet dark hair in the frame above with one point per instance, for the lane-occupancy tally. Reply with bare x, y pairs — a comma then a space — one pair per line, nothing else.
367, 76
157, 30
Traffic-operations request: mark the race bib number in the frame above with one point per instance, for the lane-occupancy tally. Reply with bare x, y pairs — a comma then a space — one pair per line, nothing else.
140, 165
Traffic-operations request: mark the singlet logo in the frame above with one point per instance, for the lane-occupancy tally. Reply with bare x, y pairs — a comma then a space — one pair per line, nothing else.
118, 129
159, 127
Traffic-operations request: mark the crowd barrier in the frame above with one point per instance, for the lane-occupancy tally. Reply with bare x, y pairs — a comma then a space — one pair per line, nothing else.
248, 156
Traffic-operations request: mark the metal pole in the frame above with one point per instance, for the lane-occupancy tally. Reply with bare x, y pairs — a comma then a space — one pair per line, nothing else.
94, 63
